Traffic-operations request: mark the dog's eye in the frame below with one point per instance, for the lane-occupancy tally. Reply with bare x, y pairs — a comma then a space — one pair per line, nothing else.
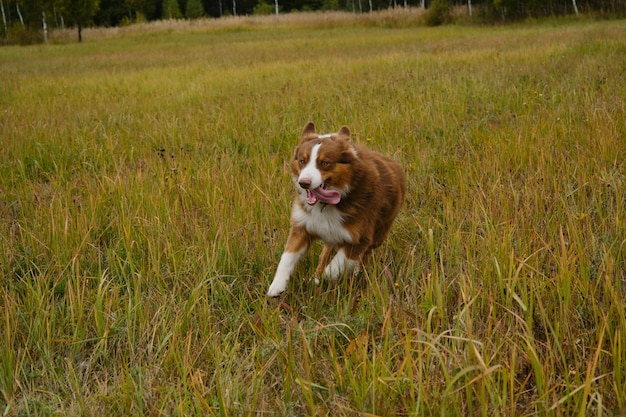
325, 163
302, 161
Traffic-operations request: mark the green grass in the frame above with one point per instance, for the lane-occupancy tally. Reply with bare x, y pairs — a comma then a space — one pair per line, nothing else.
144, 205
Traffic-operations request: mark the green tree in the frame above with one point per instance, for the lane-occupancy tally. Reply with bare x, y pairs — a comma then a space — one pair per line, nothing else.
263, 7
194, 9
171, 10
80, 12
438, 13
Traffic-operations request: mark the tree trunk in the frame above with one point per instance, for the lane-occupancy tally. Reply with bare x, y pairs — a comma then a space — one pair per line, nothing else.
80, 32
17, 7
4, 17
45, 27
575, 7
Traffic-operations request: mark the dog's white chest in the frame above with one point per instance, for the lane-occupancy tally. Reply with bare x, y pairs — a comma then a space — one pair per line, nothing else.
326, 222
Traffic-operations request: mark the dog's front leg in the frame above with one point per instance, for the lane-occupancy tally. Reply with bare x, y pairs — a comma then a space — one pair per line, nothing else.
297, 243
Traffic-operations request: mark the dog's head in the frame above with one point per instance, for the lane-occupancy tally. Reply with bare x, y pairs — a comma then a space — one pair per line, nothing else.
322, 165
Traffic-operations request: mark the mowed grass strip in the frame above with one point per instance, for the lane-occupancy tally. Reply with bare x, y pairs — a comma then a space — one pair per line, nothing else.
144, 204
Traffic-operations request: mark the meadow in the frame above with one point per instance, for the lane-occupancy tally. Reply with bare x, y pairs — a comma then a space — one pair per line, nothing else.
145, 198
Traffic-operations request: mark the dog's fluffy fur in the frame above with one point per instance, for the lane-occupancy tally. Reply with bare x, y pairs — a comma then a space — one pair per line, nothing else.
347, 196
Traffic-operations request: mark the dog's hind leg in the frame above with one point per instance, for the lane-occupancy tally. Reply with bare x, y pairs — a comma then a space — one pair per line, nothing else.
341, 263
366, 259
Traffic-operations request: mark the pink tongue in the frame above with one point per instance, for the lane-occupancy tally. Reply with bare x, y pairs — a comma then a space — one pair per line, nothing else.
325, 196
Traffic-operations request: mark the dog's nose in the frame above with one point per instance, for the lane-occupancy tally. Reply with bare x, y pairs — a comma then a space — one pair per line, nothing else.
305, 182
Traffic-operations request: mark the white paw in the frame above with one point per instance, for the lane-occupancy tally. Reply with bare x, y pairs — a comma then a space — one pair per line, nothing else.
276, 289
334, 269
286, 265
339, 265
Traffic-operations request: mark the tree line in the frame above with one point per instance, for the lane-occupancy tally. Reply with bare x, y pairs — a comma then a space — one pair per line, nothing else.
38, 16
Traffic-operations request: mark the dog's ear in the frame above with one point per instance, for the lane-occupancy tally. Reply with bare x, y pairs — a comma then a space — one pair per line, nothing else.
309, 130
344, 131
308, 133
349, 153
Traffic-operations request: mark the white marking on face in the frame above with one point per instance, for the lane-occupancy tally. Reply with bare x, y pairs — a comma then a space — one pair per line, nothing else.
327, 135
339, 265
326, 222
310, 171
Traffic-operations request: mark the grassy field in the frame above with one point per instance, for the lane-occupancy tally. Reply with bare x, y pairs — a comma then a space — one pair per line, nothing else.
144, 205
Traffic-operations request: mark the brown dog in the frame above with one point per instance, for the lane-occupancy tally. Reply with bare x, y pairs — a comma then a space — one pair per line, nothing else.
348, 197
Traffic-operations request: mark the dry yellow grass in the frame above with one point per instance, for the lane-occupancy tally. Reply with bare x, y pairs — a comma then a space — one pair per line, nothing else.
389, 17
144, 200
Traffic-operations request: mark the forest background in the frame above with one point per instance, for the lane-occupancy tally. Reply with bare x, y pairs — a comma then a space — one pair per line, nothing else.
29, 21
